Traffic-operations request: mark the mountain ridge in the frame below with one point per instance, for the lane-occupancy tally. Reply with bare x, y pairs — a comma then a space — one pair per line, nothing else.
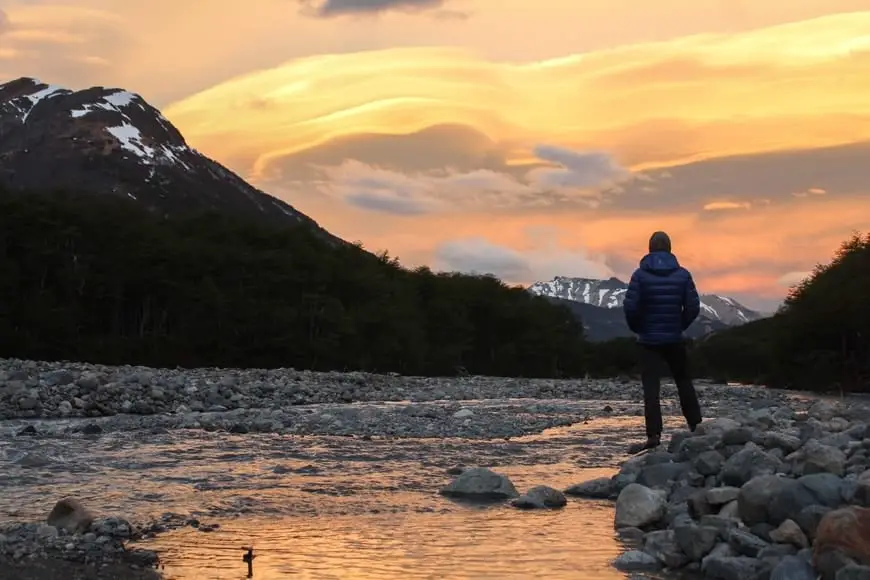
601, 310
111, 141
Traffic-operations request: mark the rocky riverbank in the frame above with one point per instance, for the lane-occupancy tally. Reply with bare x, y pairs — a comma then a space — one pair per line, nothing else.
31, 389
72, 543
770, 494
50, 406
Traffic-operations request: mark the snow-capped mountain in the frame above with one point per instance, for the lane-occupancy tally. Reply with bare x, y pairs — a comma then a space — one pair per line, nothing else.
610, 294
107, 140
604, 293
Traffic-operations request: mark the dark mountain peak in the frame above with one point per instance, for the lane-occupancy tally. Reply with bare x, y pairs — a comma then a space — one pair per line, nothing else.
110, 140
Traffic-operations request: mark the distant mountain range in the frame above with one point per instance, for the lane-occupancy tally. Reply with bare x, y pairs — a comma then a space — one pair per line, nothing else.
598, 303
111, 141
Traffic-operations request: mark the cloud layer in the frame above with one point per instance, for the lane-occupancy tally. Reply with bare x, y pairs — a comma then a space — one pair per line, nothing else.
653, 105
480, 256
447, 142
571, 178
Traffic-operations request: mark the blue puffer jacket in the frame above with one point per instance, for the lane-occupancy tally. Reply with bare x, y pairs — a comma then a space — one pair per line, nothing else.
661, 301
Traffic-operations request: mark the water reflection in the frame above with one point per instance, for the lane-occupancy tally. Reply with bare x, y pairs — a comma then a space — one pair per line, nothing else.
496, 542
332, 507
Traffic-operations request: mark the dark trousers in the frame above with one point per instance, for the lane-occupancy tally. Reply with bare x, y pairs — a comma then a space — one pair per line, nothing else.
674, 357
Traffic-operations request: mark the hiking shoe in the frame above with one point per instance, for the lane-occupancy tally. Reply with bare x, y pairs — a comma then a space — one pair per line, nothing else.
651, 443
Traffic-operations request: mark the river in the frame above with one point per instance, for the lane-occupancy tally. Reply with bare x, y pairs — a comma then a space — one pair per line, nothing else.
328, 507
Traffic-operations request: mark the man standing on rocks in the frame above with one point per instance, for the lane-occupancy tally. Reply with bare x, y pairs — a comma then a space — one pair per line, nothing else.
661, 303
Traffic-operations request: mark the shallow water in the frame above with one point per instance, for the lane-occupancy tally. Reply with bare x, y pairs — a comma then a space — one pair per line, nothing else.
331, 507
576, 542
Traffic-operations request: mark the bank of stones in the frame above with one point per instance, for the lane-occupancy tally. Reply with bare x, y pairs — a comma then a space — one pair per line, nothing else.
31, 389
767, 494
71, 533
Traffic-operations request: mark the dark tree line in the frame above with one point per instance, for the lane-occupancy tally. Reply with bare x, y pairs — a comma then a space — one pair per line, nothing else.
100, 279
819, 339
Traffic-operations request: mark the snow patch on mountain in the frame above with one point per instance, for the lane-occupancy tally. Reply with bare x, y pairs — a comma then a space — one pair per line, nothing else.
610, 294
23, 105
111, 141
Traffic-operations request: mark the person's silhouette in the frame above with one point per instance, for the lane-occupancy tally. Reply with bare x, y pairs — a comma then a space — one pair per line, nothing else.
660, 304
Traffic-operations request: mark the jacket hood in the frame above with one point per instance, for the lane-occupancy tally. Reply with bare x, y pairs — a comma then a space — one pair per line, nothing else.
659, 263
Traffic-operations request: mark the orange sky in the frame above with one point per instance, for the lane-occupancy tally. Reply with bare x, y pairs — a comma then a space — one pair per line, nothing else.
524, 138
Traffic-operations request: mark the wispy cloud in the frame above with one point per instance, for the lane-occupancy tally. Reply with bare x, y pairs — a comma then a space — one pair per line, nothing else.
480, 256
726, 205
331, 8
810, 192
576, 179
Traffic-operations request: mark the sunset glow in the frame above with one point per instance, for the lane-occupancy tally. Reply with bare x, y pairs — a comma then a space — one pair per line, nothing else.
471, 134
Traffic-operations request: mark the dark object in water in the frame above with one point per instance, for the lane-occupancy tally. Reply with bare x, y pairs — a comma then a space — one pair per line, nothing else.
249, 559
92, 429
29, 430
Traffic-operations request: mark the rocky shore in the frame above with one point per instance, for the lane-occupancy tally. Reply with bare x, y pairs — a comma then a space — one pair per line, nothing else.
72, 543
743, 497
31, 389
772, 494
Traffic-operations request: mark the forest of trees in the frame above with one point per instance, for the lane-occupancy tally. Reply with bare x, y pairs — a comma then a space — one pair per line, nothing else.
819, 339
102, 280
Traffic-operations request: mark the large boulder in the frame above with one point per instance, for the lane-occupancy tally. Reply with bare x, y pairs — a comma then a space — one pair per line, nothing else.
746, 543
636, 561
69, 514
717, 426
792, 497
691, 447
776, 440
663, 545
540, 497
819, 458
480, 483
810, 517
730, 567
717, 496
708, 462
827, 488
749, 462
793, 568
638, 506
756, 495
861, 493
600, 488
696, 541
662, 475
789, 532
843, 535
